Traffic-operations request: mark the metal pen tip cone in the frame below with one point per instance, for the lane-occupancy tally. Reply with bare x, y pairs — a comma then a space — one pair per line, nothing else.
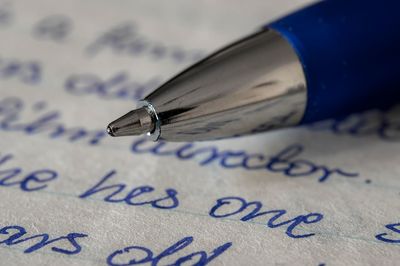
135, 122
110, 130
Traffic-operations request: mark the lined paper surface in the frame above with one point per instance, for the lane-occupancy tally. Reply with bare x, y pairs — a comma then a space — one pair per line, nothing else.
327, 194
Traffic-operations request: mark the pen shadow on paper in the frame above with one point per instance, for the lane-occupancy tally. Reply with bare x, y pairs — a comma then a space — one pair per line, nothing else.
361, 137
317, 152
371, 127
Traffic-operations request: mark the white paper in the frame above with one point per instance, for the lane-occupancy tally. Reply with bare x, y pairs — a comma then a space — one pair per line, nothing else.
58, 78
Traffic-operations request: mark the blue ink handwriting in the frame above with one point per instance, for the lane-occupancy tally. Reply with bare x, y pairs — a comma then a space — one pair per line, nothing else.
284, 162
15, 233
132, 197
385, 237
46, 122
118, 86
32, 181
128, 256
53, 27
125, 39
6, 13
248, 211
385, 124
29, 72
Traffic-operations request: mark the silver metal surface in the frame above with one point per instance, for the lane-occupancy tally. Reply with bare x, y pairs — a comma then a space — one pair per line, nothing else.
155, 133
254, 85
135, 122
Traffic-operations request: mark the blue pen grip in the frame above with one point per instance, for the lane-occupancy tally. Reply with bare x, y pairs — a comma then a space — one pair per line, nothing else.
350, 52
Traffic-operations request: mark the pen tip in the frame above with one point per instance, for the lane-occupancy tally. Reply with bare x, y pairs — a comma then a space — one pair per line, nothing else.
135, 122
110, 131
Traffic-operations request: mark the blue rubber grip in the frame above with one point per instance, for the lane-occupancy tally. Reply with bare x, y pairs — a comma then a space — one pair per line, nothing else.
350, 52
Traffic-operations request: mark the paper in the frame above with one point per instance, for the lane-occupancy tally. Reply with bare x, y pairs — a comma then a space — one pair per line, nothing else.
70, 195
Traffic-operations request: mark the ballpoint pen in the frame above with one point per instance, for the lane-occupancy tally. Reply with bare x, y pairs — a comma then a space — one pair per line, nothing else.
326, 60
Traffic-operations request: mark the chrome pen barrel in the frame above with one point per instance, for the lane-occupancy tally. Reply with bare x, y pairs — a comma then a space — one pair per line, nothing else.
253, 85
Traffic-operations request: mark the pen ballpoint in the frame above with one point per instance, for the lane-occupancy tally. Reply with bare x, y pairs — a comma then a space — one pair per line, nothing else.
327, 60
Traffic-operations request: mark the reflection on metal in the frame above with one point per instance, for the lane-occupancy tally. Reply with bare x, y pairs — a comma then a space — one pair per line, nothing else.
254, 85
